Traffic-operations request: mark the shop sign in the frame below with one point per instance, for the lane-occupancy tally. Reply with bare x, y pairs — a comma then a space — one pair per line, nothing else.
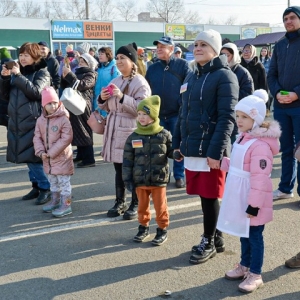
67, 30
98, 30
191, 31
176, 32
248, 33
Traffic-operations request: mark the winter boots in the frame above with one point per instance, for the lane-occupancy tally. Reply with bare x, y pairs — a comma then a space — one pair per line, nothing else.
205, 250
160, 238
142, 235
53, 204
34, 193
64, 207
131, 212
44, 197
218, 240
120, 203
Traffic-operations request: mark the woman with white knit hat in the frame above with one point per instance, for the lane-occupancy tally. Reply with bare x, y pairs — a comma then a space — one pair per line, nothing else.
202, 134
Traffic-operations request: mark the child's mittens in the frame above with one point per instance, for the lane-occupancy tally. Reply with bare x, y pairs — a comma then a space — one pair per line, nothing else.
225, 164
129, 186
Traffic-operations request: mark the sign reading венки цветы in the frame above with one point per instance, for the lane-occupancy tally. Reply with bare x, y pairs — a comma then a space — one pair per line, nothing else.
82, 30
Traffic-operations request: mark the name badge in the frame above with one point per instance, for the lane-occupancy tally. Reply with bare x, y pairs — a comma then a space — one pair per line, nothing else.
137, 144
183, 88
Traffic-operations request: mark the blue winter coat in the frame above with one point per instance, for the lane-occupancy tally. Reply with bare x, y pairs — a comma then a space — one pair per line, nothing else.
284, 71
207, 117
165, 80
105, 76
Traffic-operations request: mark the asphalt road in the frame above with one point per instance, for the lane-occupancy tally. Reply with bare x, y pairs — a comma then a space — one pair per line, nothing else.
88, 256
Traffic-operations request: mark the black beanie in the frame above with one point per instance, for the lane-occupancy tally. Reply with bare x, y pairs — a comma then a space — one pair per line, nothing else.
130, 51
294, 9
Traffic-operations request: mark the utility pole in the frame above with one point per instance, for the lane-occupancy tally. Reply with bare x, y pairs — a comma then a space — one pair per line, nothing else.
289, 4
87, 9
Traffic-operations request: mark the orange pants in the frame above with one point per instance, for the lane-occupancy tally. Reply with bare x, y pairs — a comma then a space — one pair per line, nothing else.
159, 199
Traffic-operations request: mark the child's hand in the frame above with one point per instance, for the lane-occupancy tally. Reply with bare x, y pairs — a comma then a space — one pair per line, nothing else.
44, 156
250, 216
177, 155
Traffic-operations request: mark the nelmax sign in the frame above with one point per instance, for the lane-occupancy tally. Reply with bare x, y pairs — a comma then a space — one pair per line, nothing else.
67, 30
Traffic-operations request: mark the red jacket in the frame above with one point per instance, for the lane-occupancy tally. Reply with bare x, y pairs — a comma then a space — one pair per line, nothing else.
53, 135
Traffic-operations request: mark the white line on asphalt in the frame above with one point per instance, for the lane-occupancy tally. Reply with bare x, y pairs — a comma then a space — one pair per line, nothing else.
82, 224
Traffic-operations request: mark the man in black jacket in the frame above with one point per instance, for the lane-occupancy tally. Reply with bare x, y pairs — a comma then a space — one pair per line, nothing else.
165, 78
52, 64
284, 83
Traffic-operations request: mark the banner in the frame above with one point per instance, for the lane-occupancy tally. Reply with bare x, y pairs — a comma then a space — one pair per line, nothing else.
176, 32
98, 30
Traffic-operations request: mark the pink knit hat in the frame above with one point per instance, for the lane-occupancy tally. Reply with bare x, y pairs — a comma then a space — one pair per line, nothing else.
49, 95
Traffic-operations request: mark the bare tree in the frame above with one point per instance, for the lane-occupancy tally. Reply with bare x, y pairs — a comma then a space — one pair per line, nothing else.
170, 11
75, 9
231, 20
211, 21
8, 8
30, 9
191, 17
56, 10
103, 10
127, 9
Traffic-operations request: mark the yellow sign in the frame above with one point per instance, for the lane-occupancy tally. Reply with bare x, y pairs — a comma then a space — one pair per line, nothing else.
176, 32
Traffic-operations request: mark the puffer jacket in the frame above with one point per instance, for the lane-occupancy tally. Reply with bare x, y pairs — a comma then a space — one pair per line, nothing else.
121, 120
106, 73
284, 69
23, 92
259, 162
148, 165
53, 69
82, 133
53, 135
165, 79
258, 73
207, 117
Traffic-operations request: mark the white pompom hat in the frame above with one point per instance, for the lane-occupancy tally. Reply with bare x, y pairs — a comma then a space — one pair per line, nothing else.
254, 106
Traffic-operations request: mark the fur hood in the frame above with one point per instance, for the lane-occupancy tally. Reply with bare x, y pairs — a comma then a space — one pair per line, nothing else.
269, 135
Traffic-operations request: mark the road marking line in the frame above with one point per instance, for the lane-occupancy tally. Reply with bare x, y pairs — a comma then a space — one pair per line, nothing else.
80, 224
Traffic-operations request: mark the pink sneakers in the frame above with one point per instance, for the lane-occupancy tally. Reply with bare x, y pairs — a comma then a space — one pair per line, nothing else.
238, 273
251, 283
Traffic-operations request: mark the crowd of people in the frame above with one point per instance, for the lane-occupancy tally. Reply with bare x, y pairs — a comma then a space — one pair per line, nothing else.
208, 115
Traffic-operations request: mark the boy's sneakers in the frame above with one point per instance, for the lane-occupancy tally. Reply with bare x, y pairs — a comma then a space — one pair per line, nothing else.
293, 262
142, 235
251, 283
160, 238
280, 195
238, 273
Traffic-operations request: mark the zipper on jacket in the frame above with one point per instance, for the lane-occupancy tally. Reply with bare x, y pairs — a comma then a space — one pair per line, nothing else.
47, 143
201, 112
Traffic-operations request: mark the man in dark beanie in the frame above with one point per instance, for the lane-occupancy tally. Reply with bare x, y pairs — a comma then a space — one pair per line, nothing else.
284, 84
52, 64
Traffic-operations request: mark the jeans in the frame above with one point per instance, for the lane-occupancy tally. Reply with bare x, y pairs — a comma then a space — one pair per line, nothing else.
289, 120
169, 124
252, 249
37, 175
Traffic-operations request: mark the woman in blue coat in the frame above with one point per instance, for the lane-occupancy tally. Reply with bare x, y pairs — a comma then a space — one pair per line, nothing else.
107, 71
202, 134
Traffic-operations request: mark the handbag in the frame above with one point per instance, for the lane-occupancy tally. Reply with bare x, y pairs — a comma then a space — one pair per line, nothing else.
97, 122
73, 100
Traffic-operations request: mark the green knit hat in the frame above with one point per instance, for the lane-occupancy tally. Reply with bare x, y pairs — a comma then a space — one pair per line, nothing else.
4, 53
150, 106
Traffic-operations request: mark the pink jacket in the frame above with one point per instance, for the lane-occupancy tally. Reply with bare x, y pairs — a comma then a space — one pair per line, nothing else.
121, 120
53, 135
259, 162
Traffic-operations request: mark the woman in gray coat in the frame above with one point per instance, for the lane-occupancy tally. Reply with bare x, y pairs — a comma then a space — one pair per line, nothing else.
21, 85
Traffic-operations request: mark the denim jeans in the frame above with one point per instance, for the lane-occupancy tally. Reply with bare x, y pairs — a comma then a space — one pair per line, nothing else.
37, 175
252, 249
289, 120
169, 124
